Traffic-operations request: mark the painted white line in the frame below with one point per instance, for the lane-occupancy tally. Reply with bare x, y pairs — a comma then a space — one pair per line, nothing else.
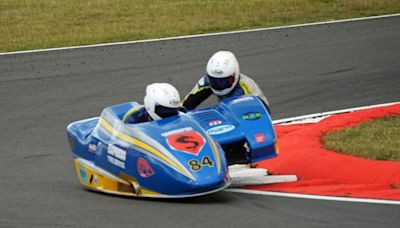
202, 35
322, 114
314, 197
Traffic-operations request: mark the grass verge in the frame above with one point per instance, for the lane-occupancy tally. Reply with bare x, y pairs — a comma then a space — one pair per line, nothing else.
378, 139
33, 24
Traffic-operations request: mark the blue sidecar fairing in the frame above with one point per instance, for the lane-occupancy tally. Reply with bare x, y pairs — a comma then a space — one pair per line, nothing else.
179, 156
172, 157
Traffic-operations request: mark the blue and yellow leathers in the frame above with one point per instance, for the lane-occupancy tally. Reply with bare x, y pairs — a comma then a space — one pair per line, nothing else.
202, 91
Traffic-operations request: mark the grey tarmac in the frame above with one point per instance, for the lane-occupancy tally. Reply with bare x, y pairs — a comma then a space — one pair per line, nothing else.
302, 70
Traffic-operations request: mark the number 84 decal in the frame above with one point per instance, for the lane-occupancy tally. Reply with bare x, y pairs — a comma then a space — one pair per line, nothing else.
196, 165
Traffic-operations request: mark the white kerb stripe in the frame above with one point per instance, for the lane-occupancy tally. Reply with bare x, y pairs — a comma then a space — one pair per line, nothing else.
315, 197
318, 115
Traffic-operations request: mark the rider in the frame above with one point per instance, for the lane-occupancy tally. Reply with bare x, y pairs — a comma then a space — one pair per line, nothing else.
223, 78
162, 100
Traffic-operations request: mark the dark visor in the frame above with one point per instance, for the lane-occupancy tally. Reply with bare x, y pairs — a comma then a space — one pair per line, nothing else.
165, 112
221, 83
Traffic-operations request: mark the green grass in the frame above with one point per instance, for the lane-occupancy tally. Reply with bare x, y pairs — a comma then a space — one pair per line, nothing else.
378, 139
32, 24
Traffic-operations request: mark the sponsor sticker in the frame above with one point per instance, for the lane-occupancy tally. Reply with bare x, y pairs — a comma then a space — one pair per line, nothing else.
116, 156
82, 173
116, 152
92, 148
259, 137
144, 169
215, 122
116, 162
189, 142
176, 131
251, 116
220, 129
242, 99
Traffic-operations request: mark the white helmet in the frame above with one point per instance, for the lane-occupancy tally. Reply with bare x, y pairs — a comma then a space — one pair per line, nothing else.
223, 72
162, 100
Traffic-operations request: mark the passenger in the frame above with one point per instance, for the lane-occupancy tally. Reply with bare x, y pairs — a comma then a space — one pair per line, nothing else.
162, 100
223, 78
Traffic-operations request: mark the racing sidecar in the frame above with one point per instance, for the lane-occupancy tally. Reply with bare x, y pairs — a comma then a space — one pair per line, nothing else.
172, 157
179, 156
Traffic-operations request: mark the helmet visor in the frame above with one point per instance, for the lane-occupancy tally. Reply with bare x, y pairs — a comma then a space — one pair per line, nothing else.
165, 112
221, 83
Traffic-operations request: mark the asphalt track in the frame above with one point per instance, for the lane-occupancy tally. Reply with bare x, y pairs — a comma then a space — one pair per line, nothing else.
302, 70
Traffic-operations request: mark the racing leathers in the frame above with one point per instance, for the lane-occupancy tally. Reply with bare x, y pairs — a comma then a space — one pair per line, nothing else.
137, 115
202, 91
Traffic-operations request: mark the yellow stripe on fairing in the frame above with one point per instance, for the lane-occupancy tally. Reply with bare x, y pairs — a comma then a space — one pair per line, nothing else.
143, 145
149, 192
216, 154
128, 113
